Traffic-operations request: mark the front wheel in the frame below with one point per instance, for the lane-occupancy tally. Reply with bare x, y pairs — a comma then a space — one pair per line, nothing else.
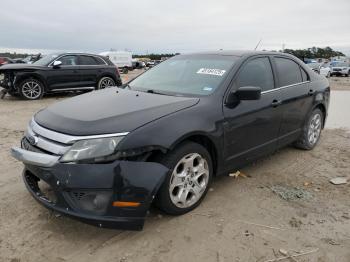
31, 89
188, 179
311, 131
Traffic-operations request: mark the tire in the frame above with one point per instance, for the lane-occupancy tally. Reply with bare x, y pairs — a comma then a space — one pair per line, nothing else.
192, 184
311, 131
125, 70
105, 82
31, 89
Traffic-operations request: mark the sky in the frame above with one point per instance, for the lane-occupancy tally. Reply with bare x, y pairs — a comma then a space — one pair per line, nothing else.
161, 26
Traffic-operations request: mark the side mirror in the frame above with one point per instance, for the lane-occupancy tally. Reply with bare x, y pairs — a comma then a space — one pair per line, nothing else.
57, 64
248, 93
243, 93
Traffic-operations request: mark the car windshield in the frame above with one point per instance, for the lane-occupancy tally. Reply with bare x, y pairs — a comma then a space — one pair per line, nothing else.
185, 75
46, 60
341, 64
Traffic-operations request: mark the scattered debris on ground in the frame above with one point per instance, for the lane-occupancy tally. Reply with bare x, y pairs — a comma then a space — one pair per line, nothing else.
339, 180
291, 257
291, 193
237, 174
295, 222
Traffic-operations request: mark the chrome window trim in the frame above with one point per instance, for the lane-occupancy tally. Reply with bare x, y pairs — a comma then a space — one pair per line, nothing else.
283, 87
64, 138
50, 65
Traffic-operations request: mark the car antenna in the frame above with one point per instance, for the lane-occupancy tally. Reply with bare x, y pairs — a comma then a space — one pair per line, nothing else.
257, 44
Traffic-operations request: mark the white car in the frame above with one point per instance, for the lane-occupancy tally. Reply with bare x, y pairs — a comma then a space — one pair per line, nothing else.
340, 69
322, 69
325, 70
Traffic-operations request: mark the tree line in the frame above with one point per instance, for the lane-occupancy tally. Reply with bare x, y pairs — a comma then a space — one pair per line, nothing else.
314, 52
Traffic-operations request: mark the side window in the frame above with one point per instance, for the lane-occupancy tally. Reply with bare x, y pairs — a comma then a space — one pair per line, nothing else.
99, 61
288, 72
256, 72
68, 60
304, 75
87, 60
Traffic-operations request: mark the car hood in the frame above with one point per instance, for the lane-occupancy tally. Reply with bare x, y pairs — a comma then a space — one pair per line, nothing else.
21, 67
112, 110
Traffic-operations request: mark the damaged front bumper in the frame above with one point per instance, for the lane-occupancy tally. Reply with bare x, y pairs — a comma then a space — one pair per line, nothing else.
88, 192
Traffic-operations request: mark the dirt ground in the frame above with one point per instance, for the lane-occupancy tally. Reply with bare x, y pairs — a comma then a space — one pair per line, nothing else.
241, 219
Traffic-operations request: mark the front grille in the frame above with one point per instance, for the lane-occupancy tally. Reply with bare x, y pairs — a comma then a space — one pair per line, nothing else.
337, 69
37, 140
25, 144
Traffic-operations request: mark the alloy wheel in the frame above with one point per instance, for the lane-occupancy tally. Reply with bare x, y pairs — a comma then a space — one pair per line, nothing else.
106, 82
314, 128
189, 180
31, 90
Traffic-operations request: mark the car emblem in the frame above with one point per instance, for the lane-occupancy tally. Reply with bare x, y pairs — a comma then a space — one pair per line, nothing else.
33, 140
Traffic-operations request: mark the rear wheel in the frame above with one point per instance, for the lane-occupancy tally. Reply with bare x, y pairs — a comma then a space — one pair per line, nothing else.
105, 82
188, 179
31, 89
311, 131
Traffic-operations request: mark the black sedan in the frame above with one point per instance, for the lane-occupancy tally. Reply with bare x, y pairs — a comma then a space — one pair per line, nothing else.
166, 134
59, 72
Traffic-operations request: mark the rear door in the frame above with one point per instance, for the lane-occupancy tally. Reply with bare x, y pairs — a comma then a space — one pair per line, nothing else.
90, 69
66, 75
251, 127
296, 96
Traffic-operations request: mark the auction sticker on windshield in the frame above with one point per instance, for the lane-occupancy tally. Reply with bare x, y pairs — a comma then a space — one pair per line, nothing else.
211, 71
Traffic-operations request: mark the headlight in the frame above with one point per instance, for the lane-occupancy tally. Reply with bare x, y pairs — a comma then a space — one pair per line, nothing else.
92, 149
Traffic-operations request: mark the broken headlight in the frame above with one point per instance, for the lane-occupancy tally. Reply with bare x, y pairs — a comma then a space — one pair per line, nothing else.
95, 150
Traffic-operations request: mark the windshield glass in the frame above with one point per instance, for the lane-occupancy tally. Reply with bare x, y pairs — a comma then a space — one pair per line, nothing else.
181, 75
340, 64
46, 60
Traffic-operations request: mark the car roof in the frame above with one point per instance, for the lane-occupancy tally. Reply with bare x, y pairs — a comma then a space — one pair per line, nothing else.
72, 53
237, 53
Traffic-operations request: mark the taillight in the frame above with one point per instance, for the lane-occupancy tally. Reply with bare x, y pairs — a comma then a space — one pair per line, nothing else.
117, 70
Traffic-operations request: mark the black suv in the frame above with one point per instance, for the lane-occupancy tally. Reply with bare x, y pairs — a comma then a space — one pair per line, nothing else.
59, 72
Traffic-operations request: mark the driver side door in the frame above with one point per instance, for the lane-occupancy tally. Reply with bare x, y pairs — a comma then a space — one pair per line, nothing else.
66, 75
251, 127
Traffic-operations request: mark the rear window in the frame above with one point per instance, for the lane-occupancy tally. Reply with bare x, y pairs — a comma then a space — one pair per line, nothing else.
288, 72
87, 60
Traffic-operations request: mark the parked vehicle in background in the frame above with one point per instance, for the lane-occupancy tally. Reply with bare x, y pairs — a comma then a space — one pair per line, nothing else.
59, 72
315, 67
107, 156
136, 64
150, 64
325, 70
28, 59
320, 68
122, 59
340, 69
5, 60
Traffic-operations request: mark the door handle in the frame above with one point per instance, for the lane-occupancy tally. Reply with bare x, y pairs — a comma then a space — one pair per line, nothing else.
311, 92
276, 103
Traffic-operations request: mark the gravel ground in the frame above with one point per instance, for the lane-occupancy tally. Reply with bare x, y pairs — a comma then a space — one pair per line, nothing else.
284, 203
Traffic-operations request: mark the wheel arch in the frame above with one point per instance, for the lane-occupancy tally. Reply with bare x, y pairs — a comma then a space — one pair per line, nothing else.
106, 74
322, 107
204, 141
35, 76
